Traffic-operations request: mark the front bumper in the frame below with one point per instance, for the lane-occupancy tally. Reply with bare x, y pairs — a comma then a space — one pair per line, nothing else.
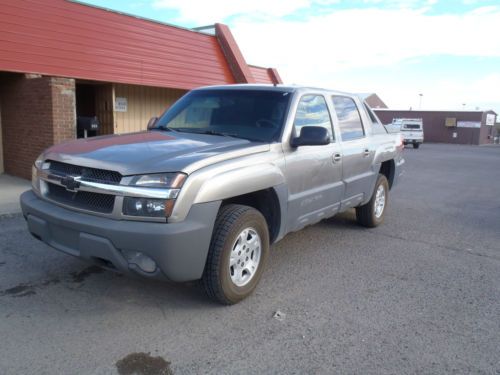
179, 249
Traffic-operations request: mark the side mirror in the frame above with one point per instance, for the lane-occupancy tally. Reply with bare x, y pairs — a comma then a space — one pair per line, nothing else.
311, 136
152, 122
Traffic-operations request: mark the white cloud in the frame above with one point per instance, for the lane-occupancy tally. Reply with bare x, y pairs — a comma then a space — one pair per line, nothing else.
325, 49
400, 3
371, 37
445, 94
209, 12
345, 39
485, 10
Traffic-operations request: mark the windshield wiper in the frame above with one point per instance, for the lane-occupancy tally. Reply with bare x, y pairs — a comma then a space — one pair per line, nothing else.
207, 131
162, 127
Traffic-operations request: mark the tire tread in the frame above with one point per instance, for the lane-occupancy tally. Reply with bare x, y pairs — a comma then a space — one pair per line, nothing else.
364, 214
226, 218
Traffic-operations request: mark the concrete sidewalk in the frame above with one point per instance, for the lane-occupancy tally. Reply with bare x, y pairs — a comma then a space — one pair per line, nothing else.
10, 190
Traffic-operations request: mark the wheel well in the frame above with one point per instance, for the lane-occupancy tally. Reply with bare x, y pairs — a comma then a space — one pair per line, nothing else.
267, 203
387, 169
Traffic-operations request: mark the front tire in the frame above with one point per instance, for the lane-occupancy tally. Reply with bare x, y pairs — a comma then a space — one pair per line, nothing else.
372, 214
416, 145
238, 252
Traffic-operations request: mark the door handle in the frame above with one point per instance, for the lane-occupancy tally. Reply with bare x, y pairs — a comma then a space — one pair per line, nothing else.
366, 152
336, 158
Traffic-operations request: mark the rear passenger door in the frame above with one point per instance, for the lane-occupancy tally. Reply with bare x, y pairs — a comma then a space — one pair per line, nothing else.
357, 152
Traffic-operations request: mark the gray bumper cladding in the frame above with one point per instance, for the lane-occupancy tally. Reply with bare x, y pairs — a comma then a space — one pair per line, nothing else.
179, 249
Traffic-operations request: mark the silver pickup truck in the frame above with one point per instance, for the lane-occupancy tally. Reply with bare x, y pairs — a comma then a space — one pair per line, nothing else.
219, 177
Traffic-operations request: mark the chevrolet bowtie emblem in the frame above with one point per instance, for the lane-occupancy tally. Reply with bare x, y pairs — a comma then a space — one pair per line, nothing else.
71, 183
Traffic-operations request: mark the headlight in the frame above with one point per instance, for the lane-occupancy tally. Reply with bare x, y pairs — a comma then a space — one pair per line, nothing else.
39, 161
159, 180
38, 164
153, 207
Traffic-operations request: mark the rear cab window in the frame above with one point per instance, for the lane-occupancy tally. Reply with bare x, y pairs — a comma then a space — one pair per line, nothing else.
412, 126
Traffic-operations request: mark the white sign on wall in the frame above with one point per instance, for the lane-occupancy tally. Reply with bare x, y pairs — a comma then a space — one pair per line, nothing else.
490, 119
468, 124
121, 104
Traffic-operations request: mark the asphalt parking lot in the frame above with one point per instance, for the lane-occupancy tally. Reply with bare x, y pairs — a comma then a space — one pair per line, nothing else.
420, 294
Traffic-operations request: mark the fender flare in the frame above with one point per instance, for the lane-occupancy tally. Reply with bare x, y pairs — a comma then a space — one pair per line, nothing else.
219, 183
238, 182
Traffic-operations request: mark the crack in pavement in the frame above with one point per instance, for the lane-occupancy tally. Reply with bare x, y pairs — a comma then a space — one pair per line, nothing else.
456, 249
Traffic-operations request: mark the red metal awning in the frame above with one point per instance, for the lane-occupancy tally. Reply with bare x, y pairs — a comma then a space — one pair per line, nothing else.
63, 38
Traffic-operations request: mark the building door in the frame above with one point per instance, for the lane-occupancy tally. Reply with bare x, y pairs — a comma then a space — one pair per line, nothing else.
85, 107
1, 141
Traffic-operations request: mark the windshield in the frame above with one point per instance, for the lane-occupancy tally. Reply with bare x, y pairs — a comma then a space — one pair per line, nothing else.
256, 115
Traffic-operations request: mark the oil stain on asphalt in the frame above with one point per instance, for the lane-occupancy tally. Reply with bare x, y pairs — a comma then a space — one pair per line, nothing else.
143, 364
79, 277
24, 289
21, 290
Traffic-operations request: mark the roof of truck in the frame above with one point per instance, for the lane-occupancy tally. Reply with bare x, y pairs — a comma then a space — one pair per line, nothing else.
279, 87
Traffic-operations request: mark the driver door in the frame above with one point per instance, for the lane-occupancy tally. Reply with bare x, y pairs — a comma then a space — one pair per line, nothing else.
313, 173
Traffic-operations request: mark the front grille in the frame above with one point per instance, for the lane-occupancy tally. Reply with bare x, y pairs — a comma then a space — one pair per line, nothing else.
88, 174
102, 203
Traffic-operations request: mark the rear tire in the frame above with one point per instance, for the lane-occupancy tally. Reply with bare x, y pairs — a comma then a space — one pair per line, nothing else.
238, 252
416, 145
372, 213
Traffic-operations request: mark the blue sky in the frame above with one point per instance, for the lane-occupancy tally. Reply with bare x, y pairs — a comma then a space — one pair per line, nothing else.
447, 50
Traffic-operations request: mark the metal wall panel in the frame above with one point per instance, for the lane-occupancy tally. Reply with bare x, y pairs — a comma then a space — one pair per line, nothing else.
62, 38
142, 104
261, 75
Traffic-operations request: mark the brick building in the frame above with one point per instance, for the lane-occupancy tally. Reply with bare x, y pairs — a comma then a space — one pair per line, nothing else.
460, 127
60, 60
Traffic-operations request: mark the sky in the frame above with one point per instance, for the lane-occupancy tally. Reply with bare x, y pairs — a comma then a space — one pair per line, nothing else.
448, 51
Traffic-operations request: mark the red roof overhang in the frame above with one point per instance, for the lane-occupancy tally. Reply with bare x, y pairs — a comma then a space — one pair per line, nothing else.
63, 38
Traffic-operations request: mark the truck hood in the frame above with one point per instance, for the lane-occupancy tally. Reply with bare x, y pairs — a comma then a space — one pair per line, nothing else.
152, 151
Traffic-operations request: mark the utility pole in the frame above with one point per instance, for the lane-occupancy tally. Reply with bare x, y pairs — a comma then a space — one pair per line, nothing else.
420, 101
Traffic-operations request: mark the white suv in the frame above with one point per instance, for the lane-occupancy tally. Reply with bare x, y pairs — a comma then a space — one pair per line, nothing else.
412, 130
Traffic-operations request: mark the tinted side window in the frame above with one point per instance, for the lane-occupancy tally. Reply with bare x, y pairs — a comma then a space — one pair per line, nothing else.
313, 111
349, 118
